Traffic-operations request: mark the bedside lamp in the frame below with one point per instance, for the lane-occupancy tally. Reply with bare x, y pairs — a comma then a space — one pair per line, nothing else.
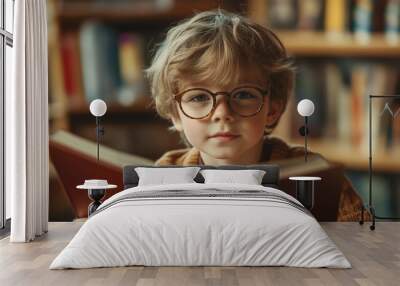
305, 108
96, 188
98, 108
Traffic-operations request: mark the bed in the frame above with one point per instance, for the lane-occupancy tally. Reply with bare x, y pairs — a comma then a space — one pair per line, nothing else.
201, 223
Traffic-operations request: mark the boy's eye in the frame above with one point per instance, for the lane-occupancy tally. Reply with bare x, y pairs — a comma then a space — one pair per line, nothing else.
202, 97
243, 95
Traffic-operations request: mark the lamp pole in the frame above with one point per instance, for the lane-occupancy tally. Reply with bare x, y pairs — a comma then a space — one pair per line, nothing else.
305, 136
97, 135
303, 131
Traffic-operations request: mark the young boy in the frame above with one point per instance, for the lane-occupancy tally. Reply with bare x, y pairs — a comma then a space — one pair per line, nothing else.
224, 82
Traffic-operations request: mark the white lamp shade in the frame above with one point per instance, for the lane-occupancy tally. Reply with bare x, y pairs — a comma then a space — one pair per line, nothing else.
98, 107
305, 107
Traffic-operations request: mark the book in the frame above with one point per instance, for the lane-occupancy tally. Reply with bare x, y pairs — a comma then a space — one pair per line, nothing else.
310, 15
378, 15
89, 148
335, 17
363, 21
75, 160
359, 82
67, 60
377, 85
339, 87
392, 22
334, 90
282, 14
57, 97
99, 54
343, 115
131, 68
71, 67
298, 167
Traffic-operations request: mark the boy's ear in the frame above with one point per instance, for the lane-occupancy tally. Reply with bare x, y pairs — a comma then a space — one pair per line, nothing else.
177, 123
276, 108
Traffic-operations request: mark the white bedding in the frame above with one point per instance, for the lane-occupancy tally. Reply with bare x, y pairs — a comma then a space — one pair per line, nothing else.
181, 231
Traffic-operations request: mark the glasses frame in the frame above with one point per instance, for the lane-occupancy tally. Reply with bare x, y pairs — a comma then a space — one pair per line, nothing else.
178, 98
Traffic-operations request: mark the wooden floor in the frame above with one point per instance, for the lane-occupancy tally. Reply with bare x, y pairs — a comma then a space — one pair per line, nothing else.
374, 255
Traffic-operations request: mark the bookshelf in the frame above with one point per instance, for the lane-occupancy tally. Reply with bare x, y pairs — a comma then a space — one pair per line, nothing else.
130, 12
319, 44
345, 62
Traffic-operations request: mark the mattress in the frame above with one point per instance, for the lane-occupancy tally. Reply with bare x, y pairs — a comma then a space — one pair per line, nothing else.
201, 225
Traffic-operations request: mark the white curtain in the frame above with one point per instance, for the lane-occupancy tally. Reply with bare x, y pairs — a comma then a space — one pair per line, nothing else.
27, 124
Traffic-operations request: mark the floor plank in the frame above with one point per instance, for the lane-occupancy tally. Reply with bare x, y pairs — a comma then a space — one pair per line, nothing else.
374, 255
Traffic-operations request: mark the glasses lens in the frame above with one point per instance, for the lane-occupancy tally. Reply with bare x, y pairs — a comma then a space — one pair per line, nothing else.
246, 101
196, 103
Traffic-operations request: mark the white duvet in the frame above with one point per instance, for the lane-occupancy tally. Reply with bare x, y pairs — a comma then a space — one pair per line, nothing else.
182, 231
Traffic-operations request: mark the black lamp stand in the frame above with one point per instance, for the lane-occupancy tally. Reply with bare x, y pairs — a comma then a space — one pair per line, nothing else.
303, 130
96, 194
370, 204
99, 132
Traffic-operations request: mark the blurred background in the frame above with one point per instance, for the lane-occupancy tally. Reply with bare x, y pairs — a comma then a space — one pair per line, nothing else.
343, 50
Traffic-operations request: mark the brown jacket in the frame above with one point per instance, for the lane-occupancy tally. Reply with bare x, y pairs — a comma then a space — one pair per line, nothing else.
275, 149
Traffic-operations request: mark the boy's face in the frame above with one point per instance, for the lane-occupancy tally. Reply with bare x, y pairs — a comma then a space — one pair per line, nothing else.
224, 137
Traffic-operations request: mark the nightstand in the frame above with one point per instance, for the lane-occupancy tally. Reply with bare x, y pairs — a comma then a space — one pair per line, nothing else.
305, 187
96, 192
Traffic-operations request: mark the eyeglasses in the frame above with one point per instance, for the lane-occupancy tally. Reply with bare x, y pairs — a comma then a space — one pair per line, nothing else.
198, 103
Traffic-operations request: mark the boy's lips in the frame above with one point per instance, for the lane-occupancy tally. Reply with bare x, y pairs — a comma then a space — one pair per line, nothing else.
224, 136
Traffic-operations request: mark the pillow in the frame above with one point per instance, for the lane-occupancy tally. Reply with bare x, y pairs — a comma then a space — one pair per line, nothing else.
248, 177
162, 176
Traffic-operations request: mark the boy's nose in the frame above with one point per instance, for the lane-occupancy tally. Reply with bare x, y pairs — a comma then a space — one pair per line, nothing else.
222, 110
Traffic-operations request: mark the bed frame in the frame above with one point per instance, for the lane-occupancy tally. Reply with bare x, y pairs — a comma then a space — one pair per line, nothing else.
270, 179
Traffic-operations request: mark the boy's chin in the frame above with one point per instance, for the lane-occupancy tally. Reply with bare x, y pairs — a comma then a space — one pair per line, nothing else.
225, 156
229, 154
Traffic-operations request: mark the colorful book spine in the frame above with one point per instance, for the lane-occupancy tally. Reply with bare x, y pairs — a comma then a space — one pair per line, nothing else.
71, 67
99, 54
310, 14
334, 87
131, 64
363, 21
282, 14
392, 22
335, 17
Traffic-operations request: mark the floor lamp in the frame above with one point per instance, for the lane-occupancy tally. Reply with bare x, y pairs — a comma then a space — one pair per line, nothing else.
370, 204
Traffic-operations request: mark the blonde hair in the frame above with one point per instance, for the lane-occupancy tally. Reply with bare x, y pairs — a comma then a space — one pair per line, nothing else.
213, 47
